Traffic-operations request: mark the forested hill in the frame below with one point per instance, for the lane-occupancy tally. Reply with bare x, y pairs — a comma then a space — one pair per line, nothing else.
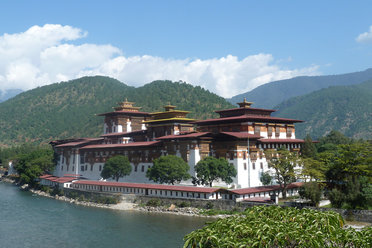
347, 109
67, 109
271, 94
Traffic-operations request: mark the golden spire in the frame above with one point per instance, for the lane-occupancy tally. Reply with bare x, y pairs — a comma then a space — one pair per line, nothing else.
245, 104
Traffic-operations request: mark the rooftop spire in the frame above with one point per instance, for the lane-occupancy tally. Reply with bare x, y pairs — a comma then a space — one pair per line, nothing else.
169, 107
126, 106
245, 104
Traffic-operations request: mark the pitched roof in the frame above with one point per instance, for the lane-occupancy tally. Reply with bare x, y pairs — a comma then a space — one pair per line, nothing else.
242, 135
281, 140
150, 186
248, 118
132, 144
124, 134
79, 142
264, 189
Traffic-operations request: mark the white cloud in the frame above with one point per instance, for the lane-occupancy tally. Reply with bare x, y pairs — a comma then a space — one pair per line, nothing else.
365, 37
42, 55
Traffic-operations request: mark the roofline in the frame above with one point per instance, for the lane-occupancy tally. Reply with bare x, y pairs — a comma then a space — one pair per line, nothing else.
260, 109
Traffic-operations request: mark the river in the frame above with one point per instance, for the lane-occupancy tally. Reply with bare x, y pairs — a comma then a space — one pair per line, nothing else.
28, 220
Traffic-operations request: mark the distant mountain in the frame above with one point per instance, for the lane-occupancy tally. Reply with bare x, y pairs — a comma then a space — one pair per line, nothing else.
271, 94
67, 109
7, 94
347, 109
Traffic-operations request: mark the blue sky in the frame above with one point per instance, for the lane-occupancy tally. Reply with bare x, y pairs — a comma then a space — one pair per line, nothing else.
228, 47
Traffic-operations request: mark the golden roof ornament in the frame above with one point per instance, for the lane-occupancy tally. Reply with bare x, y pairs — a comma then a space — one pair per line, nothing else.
126, 106
245, 104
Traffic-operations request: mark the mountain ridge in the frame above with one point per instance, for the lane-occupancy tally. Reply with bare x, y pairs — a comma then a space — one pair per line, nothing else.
271, 94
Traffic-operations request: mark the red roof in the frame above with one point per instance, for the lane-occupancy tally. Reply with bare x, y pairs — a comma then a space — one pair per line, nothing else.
132, 144
121, 134
65, 179
264, 189
125, 112
254, 109
242, 135
79, 142
281, 140
150, 186
183, 136
45, 176
249, 118
257, 199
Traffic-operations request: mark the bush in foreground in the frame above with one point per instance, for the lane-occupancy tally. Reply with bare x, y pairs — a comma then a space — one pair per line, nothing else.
279, 227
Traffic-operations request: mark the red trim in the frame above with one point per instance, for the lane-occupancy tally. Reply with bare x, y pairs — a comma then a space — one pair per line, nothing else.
183, 136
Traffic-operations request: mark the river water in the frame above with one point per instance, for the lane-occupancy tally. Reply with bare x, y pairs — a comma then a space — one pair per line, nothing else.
28, 220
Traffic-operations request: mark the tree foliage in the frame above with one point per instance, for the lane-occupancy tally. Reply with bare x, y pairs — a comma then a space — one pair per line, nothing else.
169, 169
266, 178
211, 169
279, 227
33, 164
283, 162
343, 108
308, 149
116, 167
312, 192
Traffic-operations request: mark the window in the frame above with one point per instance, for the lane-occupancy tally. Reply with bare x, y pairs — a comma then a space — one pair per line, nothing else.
73, 168
257, 130
261, 165
245, 166
86, 167
143, 168
254, 166
277, 131
91, 167
244, 156
270, 131
135, 168
100, 167
82, 159
61, 167
82, 168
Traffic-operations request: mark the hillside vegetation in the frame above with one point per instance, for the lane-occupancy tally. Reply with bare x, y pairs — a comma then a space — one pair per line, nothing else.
271, 94
67, 109
347, 109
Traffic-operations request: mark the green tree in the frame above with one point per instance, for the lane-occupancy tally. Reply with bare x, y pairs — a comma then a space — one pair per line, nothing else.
210, 169
283, 162
266, 178
33, 164
308, 150
349, 174
169, 169
312, 169
116, 167
312, 192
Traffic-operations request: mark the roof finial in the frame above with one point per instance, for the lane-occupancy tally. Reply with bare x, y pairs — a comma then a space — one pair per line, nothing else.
245, 104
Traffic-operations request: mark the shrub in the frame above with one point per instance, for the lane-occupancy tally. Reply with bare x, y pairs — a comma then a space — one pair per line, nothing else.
154, 203
209, 205
184, 204
274, 226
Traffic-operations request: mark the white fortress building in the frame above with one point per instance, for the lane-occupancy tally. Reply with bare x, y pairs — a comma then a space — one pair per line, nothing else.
241, 135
